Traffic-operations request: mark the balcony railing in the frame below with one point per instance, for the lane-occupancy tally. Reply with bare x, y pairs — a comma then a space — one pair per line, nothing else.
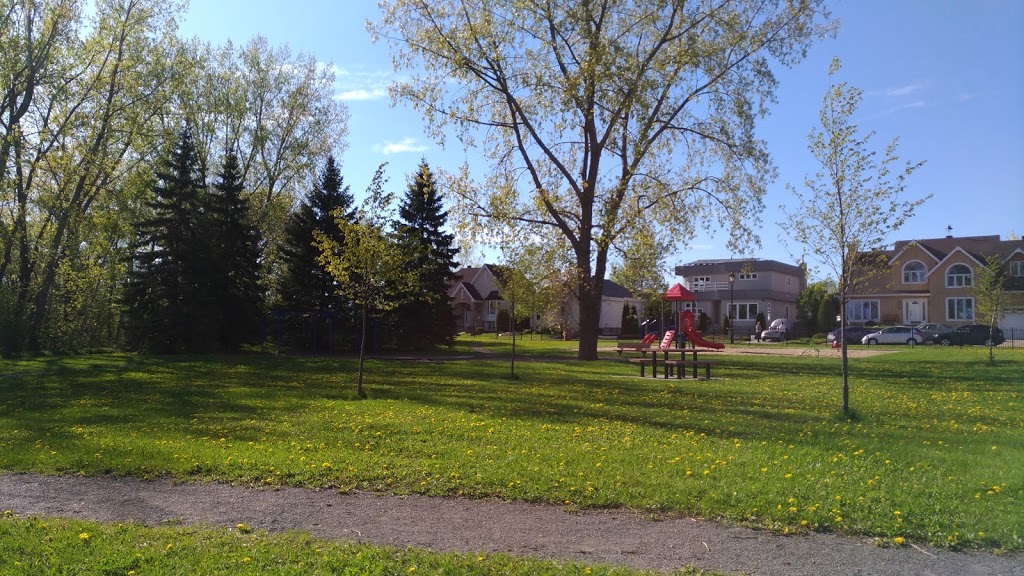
709, 287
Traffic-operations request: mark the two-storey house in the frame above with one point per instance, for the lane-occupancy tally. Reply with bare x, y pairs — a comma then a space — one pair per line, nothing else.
477, 299
932, 280
748, 286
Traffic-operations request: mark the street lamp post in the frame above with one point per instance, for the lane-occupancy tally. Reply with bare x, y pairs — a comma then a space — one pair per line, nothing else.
732, 304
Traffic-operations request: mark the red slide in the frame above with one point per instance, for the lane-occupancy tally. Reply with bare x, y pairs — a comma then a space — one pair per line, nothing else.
692, 336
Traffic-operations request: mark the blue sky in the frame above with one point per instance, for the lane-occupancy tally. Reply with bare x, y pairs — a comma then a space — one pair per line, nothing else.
945, 76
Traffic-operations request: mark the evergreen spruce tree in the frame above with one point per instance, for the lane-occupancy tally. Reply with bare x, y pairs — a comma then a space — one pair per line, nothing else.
168, 298
427, 319
306, 287
236, 258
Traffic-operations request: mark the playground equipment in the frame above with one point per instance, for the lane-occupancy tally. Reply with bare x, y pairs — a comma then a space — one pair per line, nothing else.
677, 294
686, 326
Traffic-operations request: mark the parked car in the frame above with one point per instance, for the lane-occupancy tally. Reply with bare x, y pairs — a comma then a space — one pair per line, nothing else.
894, 335
776, 332
971, 334
931, 331
853, 334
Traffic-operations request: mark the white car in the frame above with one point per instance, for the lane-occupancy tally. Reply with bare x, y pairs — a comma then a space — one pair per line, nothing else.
776, 331
895, 335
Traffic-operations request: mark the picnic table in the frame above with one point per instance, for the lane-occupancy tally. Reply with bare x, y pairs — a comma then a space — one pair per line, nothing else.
672, 365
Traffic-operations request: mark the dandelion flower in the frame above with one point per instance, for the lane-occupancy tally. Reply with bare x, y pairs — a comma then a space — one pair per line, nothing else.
898, 540
84, 536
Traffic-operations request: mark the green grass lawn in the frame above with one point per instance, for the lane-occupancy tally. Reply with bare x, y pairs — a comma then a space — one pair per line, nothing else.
43, 546
934, 455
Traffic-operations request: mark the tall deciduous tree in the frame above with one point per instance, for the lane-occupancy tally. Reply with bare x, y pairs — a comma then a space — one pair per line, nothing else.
236, 255
595, 113
426, 320
81, 121
641, 268
845, 213
278, 111
366, 263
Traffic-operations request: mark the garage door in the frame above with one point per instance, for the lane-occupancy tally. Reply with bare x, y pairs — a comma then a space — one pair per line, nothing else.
1014, 321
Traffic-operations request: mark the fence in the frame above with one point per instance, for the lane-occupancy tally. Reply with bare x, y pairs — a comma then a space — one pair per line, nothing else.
1014, 336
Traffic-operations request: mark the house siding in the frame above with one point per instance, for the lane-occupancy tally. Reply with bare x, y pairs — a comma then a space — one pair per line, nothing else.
774, 292
900, 301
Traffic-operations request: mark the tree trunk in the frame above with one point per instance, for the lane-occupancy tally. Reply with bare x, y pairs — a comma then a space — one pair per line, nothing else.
362, 355
846, 366
590, 317
513, 341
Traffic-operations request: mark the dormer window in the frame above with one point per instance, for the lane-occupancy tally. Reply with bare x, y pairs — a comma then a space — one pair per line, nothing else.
913, 272
1017, 268
959, 276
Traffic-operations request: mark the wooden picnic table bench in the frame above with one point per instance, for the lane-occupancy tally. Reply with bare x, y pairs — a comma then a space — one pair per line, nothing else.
674, 366
680, 367
677, 367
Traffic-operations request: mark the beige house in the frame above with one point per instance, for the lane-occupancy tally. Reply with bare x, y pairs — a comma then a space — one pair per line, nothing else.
932, 280
476, 299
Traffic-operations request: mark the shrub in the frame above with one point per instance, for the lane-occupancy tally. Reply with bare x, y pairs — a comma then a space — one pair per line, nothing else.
502, 322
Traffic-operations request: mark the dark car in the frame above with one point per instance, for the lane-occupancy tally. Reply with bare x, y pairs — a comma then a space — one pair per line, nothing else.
971, 334
931, 331
854, 334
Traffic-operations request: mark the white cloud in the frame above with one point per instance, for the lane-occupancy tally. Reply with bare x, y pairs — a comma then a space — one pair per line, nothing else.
360, 85
898, 91
359, 94
915, 104
903, 90
405, 145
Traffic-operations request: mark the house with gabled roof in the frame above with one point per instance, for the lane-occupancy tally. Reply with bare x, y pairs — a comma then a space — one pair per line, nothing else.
931, 280
477, 299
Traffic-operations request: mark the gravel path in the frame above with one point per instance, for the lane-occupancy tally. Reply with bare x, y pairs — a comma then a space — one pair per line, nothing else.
448, 524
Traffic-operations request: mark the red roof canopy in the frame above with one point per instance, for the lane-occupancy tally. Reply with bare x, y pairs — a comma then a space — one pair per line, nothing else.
679, 294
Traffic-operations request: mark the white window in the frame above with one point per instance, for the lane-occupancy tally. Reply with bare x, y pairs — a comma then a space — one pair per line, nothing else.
492, 307
700, 280
752, 276
1017, 268
959, 308
862, 311
744, 311
692, 306
913, 272
959, 276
